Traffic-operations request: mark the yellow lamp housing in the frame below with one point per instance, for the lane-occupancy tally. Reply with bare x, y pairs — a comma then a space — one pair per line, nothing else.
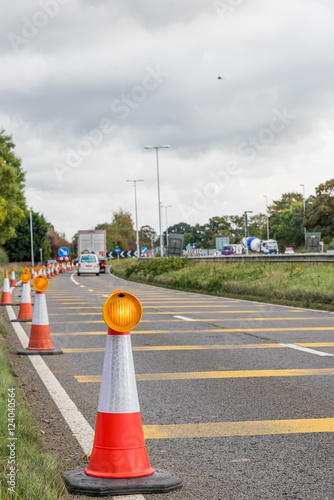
25, 276
122, 311
40, 283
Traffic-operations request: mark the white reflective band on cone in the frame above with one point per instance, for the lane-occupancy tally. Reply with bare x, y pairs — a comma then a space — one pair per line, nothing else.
40, 313
118, 391
25, 299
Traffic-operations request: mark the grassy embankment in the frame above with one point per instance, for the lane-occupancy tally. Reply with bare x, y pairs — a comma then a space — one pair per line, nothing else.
303, 285
35, 473
18, 268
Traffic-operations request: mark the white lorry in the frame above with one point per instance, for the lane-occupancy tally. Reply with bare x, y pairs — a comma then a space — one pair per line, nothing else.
94, 241
261, 246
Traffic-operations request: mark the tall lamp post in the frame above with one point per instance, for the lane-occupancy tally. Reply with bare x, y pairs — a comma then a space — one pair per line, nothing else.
302, 185
246, 229
165, 207
32, 240
137, 234
157, 155
266, 197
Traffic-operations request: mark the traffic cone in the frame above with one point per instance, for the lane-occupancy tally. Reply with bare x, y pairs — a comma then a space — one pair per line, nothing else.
40, 339
48, 272
25, 311
119, 462
6, 297
12, 278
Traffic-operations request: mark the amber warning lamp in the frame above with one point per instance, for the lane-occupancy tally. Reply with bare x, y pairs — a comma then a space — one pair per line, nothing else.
122, 311
25, 276
40, 283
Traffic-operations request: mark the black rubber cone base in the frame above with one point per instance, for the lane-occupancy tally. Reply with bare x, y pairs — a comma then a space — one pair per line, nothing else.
31, 352
161, 481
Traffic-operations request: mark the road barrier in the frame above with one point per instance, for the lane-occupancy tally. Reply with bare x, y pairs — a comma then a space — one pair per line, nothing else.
119, 464
291, 258
40, 338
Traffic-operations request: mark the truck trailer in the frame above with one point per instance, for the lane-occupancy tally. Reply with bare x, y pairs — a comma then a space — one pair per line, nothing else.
261, 246
94, 241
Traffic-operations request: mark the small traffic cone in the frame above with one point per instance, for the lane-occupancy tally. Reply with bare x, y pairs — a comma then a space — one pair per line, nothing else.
25, 311
40, 338
119, 463
48, 272
12, 278
6, 297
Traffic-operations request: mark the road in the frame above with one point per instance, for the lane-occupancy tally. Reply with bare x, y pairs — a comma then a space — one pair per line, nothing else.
236, 397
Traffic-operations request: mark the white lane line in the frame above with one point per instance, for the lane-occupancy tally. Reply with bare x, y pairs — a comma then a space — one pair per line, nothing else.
79, 426
184, 317
82, 286
90, 290
72, 279
73, 417
306, 349
107, 298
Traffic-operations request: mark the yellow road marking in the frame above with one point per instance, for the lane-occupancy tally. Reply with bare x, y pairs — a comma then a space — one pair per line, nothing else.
215, 330
218, 374
196, 347
255, 428
181, 305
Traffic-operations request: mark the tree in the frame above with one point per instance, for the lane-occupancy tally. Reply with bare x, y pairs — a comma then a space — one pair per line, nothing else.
120, 231
277, 207
146, 235
12, 201
289, 230
56, 240
319, 214
19, 248
257, 226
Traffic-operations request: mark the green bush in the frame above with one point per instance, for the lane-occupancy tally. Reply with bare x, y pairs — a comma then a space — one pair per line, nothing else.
3, 257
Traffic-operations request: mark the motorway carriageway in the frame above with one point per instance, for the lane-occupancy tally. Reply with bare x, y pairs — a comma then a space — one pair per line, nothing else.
236, 396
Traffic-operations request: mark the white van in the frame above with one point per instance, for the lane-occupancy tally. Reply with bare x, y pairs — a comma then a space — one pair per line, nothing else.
88, 264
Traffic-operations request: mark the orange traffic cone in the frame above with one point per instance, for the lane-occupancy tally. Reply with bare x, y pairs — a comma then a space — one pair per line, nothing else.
12, 278
119, 463
40, 339
48, 272
6, 297
25, 311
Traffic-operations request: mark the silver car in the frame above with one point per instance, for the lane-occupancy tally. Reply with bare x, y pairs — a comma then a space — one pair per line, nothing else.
88, 264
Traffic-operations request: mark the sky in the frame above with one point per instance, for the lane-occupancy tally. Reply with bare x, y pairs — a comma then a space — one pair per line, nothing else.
241, 91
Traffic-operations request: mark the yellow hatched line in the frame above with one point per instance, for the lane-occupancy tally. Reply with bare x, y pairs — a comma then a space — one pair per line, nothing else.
198, 347
218, 375
181, 305
250, 428
216, 330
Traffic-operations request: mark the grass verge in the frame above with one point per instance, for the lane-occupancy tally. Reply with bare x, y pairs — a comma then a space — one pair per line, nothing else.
307, 285
25, 467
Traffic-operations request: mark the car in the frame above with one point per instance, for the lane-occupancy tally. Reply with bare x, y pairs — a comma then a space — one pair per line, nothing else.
88, 264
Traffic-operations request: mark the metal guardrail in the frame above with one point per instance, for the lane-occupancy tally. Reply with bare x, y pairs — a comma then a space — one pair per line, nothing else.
297, 257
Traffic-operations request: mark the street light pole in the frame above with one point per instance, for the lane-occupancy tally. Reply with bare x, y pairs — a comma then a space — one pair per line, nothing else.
156, 150
165, 207
303, 186
266, 197
32, 240
246, 229
136, 212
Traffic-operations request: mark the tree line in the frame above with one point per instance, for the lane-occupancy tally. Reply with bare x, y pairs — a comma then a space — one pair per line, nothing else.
287, 219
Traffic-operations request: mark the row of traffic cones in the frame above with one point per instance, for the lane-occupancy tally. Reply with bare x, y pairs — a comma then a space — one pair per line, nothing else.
119, 463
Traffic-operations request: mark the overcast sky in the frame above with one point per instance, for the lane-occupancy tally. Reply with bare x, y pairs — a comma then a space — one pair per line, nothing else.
86, 85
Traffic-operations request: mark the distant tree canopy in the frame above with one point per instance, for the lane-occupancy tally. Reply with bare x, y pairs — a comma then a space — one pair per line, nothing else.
18, 249
120, 232
12, 201
319, 213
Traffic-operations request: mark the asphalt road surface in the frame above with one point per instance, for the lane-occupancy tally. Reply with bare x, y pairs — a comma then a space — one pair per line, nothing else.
236, 397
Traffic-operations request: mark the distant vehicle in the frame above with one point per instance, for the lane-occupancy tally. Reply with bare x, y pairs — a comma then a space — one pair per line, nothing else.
261, 246
88, 264
94, 241
228, 250
289, 250
50, 262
